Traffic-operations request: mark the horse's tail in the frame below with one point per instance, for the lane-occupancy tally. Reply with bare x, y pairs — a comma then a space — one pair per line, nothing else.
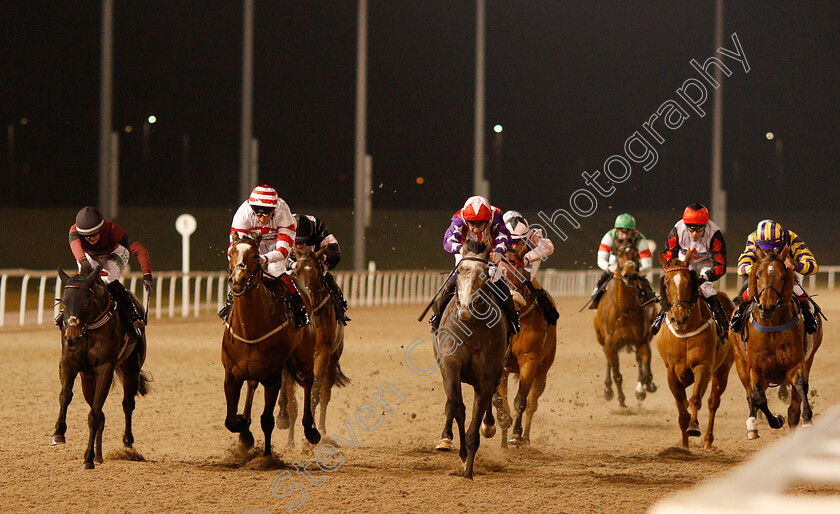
338, 377
143, 380
292, 372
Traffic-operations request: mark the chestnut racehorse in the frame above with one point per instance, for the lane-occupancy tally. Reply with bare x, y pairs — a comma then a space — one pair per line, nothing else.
323, 351
777, 349
471, 346
531, 355
257, 343
621, 322
690, 348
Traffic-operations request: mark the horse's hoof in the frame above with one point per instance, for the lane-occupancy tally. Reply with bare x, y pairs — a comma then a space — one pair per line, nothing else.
88, 465
445, 445
488, 431
641, 395
282, 422
312, 434
651, 388
780, 421
526, 441
246, 439
752, 434
693, 430
515, 440
237, 424
608, 394
98, 460
57, 439
128, 441
807, 424
621, 403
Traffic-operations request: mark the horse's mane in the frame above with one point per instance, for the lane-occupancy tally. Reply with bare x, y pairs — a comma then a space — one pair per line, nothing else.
475, 246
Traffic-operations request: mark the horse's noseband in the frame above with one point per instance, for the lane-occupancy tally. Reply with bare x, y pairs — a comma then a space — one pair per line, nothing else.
250, 283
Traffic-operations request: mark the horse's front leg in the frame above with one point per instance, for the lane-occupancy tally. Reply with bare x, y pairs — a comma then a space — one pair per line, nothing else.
702, 376
267, 418
645, 383
612, 365
309, 430
500, 400
96, 419
234, 422
454, 410
799, 376
678, 390
527, 373
483, 399
246, 437
719, 380
759, 400
67, 375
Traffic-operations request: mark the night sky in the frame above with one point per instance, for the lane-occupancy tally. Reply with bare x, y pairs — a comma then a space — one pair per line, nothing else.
569, 81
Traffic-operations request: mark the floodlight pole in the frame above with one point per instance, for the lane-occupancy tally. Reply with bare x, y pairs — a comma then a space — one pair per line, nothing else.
104, 200
361, 193
481, 184
718, 194
245, 173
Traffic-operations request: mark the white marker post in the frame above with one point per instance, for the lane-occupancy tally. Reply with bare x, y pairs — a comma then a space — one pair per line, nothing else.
185, 224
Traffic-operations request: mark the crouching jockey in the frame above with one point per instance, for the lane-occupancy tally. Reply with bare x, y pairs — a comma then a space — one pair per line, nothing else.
477, 221
695, 232
95, 240
539, 248
313, 232
265, 214
770, 236
623, 230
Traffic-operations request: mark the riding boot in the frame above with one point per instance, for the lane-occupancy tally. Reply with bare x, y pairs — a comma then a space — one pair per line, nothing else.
126, 307
339, 303
225, 310
720, 317
299, 309
808, 317
646, 289
508, 306
663, 310
599, 289
440, 304
549, 312
737, 321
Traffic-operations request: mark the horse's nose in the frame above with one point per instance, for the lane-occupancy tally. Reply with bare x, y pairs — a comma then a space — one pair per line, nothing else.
72, 331
464, 314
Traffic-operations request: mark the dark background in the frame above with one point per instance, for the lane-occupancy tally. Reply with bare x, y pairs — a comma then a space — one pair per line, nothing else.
570, 81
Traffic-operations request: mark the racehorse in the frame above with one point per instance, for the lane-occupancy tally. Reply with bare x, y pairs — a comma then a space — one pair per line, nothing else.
777, 350
622, 322
324, 350
257, 343
691, 349
531, 355
471, 345
96, 342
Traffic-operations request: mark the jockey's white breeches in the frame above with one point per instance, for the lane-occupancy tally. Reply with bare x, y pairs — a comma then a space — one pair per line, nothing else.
275, 269
114, 263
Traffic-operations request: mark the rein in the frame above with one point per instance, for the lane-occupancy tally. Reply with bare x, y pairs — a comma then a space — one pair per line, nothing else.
250, 283
100, 320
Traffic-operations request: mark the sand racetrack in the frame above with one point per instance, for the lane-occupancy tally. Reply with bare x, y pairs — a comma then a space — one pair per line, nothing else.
587, 454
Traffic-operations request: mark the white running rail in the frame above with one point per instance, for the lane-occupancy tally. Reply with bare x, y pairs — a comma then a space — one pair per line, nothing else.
204, 293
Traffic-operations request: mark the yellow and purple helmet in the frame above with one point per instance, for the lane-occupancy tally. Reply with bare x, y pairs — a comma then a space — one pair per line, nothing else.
770, 235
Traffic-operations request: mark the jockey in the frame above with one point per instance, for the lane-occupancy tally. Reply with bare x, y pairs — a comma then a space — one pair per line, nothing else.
539, 248
769, 235
623, 228
95, 240
312, 232
265, 214
703, 237
477, 221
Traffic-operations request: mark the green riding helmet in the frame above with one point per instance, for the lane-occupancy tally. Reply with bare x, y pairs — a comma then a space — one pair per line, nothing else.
625, 221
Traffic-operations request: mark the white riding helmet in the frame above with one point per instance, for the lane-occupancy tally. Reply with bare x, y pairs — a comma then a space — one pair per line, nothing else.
516, 224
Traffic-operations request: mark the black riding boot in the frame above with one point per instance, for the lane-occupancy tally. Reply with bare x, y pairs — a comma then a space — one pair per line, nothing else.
126, 307
549, 312
298, 309
441, 302
339, 303
720, 317
225, 310
663, 309
508, 306
646, 289
599, 289
737, 321
808, 317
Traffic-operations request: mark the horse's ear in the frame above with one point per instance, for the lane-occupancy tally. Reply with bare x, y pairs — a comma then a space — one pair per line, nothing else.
63, 276
759, 253
662, 261
752, 280
258, 239
320, 253
785, 253
93, 276
687, 260
236, 237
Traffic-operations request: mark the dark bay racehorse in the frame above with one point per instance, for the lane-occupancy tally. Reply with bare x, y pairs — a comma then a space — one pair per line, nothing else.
777, 349
621, 322
690, 349
258, 340
96, 342
323, 351
471, 346
531, 355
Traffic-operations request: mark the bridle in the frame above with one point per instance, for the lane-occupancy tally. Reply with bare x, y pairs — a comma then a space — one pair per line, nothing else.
251, 282
100, 320
780, 301
687, 304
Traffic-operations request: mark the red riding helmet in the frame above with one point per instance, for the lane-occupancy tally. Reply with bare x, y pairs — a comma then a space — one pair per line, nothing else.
477, 208
696, 214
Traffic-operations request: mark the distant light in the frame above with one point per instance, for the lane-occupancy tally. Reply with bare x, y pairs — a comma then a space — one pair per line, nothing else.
420, 180
498, 129
128, 129
24, 121
769, 135
152, 119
